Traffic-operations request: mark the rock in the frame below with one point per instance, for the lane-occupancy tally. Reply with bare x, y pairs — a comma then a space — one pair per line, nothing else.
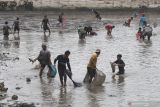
16, 58
2, 87
112, 95
2, 96
18, 88
28, 79
14, 97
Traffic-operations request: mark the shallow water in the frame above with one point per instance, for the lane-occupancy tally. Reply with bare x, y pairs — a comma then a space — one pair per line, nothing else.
139, 86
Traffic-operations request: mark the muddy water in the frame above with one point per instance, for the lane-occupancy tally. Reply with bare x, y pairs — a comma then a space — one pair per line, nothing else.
139, 86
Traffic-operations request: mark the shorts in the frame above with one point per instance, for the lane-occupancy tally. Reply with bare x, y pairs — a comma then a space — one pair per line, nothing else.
16, 29
45, 28
6, 37
61, 70
91, 72
120, 73
60, 20
44, 65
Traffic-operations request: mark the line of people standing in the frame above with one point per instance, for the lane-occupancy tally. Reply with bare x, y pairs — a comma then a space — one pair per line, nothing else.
44, 58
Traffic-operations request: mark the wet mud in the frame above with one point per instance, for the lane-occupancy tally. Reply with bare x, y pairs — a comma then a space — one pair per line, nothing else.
140, 83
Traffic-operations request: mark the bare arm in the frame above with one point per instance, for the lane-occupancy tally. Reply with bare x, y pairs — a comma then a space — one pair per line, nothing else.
69, 67
35, 59
55, 60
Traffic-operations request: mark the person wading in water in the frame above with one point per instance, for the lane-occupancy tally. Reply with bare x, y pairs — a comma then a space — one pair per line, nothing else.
91, 68
44, 58
63, 60
45, 25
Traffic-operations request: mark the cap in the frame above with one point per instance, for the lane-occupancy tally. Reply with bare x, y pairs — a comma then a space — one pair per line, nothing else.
98, 50
148, 24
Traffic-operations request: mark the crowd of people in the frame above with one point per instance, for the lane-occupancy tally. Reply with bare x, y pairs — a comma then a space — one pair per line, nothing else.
44, 56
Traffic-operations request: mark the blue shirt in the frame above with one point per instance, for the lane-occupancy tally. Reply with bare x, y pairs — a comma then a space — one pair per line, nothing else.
142, 20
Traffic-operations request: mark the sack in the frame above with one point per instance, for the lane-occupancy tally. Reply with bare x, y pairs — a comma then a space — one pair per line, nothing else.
53, 71
99, 78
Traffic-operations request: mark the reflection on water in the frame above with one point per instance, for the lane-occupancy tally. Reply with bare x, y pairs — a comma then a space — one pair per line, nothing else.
141, 58
65, 98
82, 42
6, 44
118, 79
45, 38
46, 91
95, 95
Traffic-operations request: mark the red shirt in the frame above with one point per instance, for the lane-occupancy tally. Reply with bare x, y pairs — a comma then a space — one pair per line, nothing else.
109, 26
129, 21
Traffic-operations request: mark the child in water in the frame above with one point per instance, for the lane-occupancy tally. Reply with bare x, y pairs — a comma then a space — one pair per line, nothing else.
139, 34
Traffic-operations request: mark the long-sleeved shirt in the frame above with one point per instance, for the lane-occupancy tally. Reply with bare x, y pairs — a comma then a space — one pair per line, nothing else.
62, 61
93, 61
44, 57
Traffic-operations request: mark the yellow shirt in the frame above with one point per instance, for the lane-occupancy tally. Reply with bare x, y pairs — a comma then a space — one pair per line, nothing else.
93, 61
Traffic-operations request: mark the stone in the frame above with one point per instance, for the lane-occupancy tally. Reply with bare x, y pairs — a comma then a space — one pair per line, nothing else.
28, 79
14, 97
2, 87
18, 88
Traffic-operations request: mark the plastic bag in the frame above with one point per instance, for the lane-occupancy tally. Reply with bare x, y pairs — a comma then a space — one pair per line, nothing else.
53, 71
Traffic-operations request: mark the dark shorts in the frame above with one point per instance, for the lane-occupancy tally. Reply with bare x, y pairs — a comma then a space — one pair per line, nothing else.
6, 37
16, 29
60, 20
82, 35
121, 71
44, 65
91, 72
45, 28
149, 34
61, 70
